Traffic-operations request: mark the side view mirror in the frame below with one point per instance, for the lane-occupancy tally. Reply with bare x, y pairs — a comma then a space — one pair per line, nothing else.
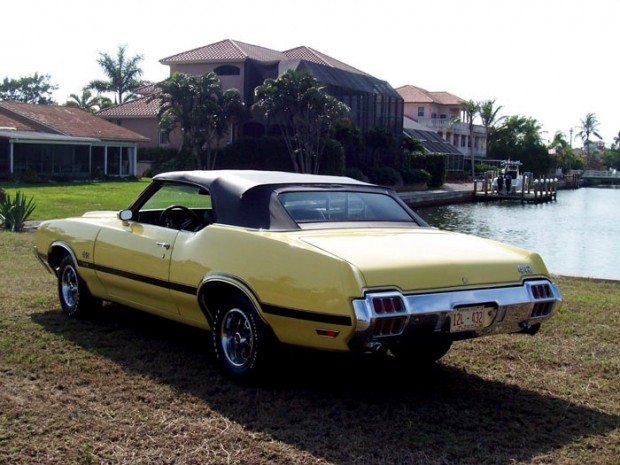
125, 215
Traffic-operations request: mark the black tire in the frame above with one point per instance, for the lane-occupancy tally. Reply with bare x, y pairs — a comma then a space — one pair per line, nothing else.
75, 298
423, 352
241, 339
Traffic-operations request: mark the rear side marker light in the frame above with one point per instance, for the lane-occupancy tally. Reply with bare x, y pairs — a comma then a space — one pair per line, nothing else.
331, 333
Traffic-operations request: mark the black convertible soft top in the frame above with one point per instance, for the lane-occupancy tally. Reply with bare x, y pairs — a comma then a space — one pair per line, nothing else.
248, 198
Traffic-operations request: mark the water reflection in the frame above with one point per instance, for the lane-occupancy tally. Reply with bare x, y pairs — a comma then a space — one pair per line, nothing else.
579, 235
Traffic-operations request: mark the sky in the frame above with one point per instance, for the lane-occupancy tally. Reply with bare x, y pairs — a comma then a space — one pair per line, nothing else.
551, 60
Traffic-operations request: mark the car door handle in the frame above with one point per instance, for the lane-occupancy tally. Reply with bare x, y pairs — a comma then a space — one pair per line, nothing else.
165, 245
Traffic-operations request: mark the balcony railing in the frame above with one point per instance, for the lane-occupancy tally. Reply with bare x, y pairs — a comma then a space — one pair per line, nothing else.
450, 125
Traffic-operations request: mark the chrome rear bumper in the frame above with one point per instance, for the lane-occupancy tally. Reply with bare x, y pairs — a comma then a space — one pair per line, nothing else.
511, 310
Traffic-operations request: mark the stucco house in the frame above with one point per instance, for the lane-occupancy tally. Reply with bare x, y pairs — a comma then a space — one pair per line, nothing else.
63, 142
243, 66
441, 112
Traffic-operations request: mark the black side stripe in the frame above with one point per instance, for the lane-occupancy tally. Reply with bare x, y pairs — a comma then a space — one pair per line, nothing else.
308, 316
141, 278
270, 309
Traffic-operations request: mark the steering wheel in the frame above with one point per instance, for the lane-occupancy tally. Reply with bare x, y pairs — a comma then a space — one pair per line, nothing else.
178, 217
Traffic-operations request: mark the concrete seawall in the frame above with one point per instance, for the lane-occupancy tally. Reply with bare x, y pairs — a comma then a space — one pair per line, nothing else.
448, 194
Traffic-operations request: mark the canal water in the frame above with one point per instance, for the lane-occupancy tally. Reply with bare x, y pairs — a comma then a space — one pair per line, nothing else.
578, 235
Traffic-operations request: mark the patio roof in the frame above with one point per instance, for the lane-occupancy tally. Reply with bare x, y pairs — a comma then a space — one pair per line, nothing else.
62, 120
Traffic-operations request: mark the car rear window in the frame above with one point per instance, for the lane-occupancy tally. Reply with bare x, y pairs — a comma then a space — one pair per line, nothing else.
321, 206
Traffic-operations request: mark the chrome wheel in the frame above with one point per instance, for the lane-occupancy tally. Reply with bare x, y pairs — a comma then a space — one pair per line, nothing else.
75, 298
237, 336
69, 287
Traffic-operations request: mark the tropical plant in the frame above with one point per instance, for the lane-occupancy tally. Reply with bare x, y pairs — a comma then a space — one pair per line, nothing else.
123, 74
28, 89
519, 138
306, 115
489, 115
588, 128
563, 152
379, 142
88, 102
203, 112
470, 109
14, 212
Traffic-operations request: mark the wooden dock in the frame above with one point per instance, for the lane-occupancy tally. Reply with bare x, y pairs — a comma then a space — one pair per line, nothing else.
532, 191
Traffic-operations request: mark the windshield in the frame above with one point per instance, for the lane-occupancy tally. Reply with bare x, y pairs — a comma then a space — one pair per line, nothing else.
322, 206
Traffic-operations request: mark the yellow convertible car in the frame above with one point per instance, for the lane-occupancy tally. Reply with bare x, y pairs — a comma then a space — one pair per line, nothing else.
267, 258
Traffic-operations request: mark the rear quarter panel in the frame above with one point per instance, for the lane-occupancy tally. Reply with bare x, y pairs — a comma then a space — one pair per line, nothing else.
299, 287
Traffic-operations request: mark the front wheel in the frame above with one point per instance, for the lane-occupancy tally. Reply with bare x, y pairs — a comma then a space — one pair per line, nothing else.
75, 298
241, 339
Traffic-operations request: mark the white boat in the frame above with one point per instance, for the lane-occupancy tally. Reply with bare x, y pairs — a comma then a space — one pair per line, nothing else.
509, 181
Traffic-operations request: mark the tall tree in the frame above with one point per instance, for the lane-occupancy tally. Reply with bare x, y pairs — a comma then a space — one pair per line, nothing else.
304, 112
86, 101
519, 138
28, 89
202, 110
123, 74
563, 151
489, 114
470, 109
588, 128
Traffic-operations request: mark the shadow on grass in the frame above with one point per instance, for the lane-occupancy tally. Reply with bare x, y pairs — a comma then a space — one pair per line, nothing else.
344, 409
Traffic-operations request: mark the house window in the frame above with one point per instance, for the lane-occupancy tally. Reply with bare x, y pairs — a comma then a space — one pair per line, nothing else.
420, 112
442, 116
164, 138
227, 70
433, 115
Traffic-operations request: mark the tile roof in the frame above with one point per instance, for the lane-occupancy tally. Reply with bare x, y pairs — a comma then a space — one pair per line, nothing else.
309, 54
225, 50
234, 50
67, 121
138, 108
413, 94
7, 122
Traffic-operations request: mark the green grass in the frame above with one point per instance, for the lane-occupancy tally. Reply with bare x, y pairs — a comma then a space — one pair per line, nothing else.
60, 200
126, 387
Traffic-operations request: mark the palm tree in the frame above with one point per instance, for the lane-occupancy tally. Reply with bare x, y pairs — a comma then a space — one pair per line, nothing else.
589, 127
563, 150
87, 102
470, 109
123, 74
204, 113
304, 112
489, 116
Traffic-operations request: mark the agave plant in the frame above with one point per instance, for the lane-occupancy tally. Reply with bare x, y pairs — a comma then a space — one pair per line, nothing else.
15, 212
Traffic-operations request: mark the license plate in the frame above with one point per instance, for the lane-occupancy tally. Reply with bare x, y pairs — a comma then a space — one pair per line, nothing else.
469, 319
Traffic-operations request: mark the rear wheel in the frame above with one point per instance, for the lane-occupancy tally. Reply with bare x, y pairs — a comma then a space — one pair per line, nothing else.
75, 298
241, 339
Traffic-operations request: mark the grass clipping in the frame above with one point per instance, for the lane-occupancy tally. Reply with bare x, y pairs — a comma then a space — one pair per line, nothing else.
127, 388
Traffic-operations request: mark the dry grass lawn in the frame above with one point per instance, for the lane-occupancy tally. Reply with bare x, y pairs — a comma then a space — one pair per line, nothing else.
129, 388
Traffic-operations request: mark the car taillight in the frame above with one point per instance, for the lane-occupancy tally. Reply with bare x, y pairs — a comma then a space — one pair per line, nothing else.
383, 305
541, 291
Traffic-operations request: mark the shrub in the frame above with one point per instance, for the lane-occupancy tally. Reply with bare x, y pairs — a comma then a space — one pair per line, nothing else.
385, 176
356, 173
15, 212
435, 164
332, 160
415, 176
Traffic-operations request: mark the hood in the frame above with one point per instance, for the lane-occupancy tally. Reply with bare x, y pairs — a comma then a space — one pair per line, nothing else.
426, 258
